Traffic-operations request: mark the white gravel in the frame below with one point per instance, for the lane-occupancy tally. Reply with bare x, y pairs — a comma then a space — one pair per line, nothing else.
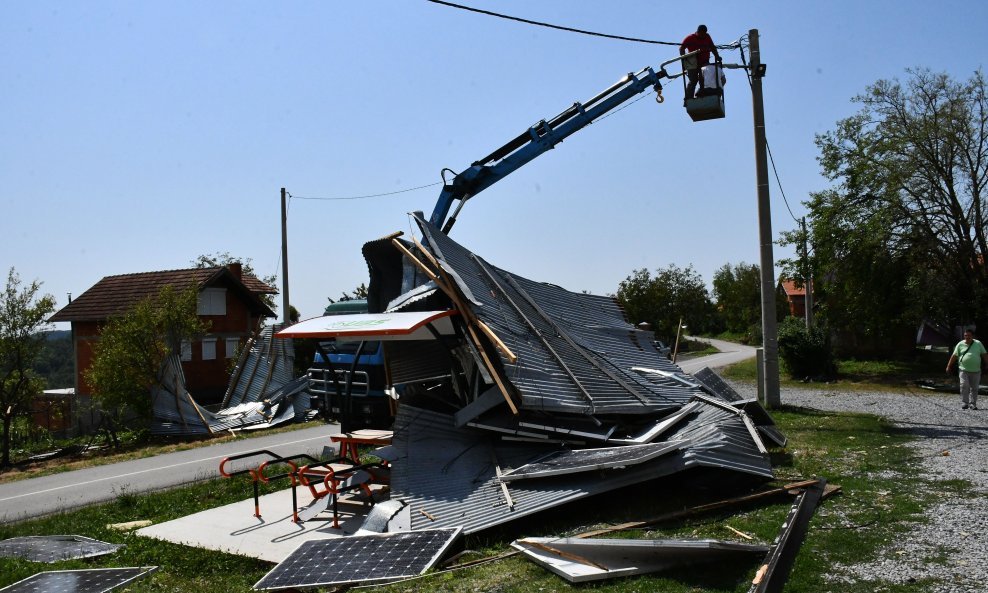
953, 546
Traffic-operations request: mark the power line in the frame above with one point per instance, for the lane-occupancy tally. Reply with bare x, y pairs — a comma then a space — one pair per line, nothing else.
390, 193
570, 29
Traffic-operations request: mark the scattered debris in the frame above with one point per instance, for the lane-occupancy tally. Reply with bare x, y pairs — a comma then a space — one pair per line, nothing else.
580, 560
129, 525
772, 575
262, 393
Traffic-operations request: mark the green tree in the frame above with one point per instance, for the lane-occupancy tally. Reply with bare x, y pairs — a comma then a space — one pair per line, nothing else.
738, 294
23, 315
663, 299
902, 233
132, 348
356, 294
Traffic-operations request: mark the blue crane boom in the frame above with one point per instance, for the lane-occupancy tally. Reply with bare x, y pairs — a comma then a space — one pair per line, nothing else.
539, 138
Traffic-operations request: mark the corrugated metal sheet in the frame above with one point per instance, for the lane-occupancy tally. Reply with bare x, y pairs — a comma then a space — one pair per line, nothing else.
575, 351
448, 477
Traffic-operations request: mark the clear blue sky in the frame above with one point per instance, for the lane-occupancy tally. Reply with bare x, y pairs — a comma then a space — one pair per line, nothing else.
136, 136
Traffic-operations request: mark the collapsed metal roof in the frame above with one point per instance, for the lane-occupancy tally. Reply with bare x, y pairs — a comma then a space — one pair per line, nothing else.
262, 393
539, 396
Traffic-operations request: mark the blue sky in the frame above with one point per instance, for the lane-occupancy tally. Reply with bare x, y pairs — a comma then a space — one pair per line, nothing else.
136, 136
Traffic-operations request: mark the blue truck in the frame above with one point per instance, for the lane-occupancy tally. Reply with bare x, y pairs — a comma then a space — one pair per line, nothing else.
348, 380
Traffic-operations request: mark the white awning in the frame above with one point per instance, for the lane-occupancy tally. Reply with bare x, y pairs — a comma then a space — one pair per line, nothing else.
373, 326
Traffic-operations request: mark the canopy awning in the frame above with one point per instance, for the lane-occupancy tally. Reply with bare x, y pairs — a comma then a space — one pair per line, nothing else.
409, 325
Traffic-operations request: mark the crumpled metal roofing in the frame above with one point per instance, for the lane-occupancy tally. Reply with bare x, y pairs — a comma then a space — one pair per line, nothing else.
262, 393
447, 475
575, 352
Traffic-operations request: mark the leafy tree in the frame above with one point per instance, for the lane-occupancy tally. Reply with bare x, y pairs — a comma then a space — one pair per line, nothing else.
738, 294
132, 348
23, 315
903, 233
663, 299
356, 294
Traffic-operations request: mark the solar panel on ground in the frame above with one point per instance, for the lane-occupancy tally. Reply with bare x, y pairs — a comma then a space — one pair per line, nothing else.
52, 548
360, 558
96, 580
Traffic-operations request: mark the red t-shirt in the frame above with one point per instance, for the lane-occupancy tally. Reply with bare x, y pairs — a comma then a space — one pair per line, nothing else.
695, 41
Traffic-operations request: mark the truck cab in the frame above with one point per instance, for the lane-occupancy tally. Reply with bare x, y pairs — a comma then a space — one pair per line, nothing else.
347, 388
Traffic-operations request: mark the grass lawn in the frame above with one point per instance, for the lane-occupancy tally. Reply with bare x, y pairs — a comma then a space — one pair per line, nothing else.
883, 493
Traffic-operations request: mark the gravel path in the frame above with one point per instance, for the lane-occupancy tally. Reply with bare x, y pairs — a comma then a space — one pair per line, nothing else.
959, 523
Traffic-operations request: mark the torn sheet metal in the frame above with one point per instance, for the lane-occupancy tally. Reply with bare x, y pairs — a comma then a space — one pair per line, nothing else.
773, 574
581, 560
447, 477
558, 463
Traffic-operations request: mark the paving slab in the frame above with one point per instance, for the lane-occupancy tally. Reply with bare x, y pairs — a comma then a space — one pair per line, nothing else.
233, 528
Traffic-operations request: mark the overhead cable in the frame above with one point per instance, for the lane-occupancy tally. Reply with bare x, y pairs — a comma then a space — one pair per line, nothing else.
570, 29
390, 193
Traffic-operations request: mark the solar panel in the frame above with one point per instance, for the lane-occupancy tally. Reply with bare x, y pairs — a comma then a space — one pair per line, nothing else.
52, 548
96, 580
360, 558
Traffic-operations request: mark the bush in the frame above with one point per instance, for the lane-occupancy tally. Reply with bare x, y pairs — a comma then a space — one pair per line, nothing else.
805, 353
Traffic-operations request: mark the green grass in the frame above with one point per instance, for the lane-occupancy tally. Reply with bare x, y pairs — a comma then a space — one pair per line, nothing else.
871, 375
884, 492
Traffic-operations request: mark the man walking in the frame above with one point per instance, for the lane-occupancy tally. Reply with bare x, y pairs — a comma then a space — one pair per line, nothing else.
969, 354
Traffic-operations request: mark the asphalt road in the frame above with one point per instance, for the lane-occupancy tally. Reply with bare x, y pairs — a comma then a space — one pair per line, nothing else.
46, 495
36, 497
730, 353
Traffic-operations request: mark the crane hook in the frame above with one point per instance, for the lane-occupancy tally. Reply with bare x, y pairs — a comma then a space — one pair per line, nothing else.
658, 93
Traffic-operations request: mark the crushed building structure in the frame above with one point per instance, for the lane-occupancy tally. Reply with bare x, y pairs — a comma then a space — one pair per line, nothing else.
515, 396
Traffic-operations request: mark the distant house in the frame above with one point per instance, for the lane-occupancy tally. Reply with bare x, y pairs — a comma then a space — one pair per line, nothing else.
228, 300
795, 297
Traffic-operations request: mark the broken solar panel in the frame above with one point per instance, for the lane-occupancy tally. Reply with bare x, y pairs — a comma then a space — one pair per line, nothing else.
53, 548
360, 558
96, 580
583, 460
716, 386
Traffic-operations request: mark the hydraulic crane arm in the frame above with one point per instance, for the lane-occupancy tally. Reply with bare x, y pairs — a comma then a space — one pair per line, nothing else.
539, 138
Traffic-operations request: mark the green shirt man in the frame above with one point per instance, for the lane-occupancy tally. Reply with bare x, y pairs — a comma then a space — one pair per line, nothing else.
969, 354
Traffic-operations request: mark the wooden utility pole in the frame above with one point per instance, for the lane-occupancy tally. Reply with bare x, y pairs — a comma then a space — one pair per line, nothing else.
285, 307
770, 330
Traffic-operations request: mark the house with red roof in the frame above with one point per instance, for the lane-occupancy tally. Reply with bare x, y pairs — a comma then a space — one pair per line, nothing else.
229, 300
795, 297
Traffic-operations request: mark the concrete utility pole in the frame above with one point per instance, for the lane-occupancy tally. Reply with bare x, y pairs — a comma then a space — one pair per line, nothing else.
770, 330
285, 315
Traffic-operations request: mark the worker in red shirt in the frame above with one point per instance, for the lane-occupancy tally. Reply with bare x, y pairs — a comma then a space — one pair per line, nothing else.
692, 65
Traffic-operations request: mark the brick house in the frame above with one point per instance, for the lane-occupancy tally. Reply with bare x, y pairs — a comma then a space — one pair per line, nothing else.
795, 298
229, 301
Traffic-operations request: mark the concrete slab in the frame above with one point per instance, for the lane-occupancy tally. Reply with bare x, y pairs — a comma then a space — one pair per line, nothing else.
234, 528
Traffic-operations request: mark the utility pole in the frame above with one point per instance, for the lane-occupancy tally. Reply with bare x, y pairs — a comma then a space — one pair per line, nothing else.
286, 315
770, 330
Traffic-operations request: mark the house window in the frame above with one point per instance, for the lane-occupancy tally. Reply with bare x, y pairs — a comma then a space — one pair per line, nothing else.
212, 301
209, 349
186, 351
231, 347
